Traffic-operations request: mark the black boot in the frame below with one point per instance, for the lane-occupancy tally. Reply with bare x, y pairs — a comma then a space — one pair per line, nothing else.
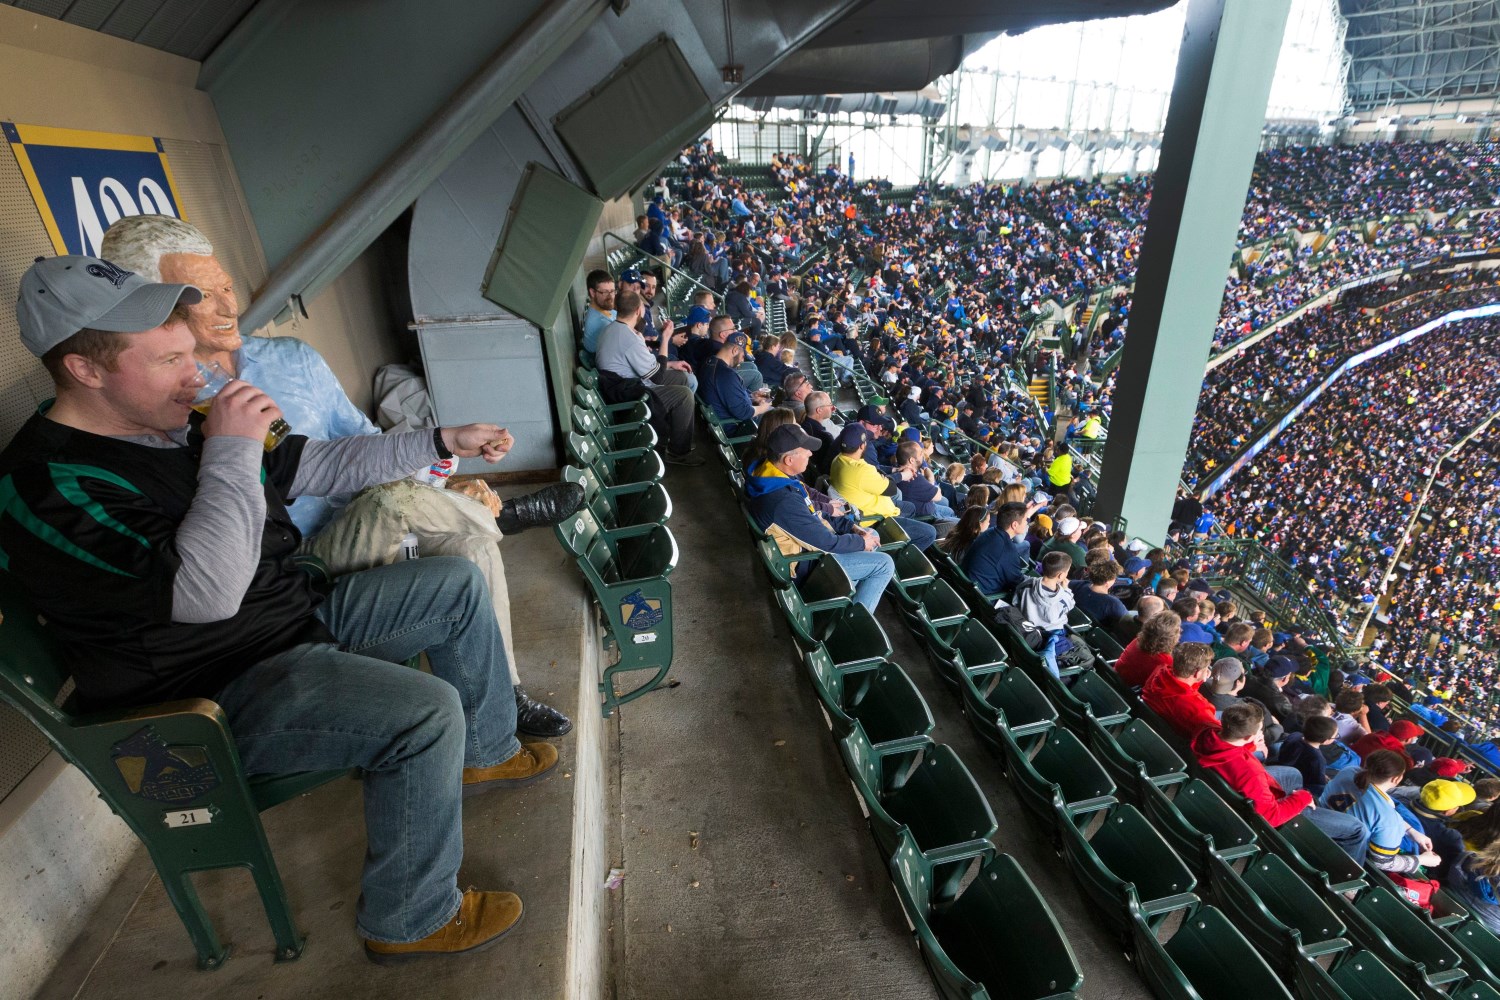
547, 505
536, 719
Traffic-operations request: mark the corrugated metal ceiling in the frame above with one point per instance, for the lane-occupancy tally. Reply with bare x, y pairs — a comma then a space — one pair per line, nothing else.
191, 28
1419, 51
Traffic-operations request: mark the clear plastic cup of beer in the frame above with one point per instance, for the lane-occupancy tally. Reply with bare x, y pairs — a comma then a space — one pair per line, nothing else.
215, 378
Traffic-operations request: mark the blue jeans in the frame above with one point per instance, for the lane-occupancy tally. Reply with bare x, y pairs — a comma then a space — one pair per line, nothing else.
1347, 831
318, 706
921, 533
870, 572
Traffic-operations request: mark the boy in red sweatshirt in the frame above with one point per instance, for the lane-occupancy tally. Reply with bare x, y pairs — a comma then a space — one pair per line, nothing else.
1172, 692
1229, 751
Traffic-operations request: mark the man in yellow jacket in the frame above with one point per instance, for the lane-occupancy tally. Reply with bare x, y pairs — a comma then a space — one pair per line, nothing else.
875, 494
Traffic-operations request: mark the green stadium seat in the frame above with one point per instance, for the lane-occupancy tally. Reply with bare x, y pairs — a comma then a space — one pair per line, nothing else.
625, 506
927, 791
1354, 975
1054, 769
1416, 951
628, 571
826, 585
893, 539
1198, 824
615, 469
1086, 699
1277, 911
938, 605
612, 437
613, 414
970, 943
1125, 866
1446, 910
881, 698
190, 736
1133, 755
1301, 844
1006, 698
1474, 989
849, 632
1205, 958
960, 650
1479, 947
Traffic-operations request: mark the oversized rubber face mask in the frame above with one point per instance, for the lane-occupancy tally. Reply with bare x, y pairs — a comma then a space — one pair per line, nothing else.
215, 321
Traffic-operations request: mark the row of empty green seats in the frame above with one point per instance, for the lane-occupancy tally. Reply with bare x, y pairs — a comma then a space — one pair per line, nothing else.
981, 925
620, 538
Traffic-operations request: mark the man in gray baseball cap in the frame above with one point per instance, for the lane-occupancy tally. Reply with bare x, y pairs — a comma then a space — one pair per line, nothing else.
117, 490
62, 295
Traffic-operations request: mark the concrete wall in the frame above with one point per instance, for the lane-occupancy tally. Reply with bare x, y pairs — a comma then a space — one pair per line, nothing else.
60, 847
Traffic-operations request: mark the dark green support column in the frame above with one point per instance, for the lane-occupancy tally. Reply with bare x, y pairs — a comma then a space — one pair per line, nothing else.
1224, 71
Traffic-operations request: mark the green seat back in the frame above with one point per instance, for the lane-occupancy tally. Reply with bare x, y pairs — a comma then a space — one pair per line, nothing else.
912, 566
1063, 760
851, 634
1201, 807
1362, 976
941, 606
1412, 937
1140, 742
979, 933
888, 705
1096, 693
1219, 963
1021, 704
1288, 898
977, 646
1479, 946
827, 581
1318, 850
1132, 850
940, 802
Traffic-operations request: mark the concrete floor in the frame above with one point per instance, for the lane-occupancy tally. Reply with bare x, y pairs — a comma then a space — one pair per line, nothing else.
514, 839
749, 869
792, 897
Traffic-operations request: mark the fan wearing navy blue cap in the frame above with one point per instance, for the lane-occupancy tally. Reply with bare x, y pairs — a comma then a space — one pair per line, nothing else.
1268, 686
720, 387
779, 503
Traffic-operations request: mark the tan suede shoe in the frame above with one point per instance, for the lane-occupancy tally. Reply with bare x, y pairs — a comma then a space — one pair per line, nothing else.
533, 762
482, 919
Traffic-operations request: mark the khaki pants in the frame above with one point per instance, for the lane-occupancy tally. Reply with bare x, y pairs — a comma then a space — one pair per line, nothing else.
368, 533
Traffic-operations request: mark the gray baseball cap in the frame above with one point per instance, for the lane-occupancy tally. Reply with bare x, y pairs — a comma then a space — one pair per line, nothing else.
62, 295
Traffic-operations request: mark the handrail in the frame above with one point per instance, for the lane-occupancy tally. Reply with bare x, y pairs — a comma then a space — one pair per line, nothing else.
1437, 469
1244, 561
671, 268
1012, 471
1281, 417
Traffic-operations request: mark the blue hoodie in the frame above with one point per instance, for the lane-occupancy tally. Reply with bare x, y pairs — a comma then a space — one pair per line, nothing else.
779, 504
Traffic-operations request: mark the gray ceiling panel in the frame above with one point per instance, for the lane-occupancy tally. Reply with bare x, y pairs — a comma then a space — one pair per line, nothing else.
191, 28
1421, 51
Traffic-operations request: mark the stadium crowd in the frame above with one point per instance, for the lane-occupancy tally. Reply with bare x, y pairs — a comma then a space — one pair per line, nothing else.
1333, 492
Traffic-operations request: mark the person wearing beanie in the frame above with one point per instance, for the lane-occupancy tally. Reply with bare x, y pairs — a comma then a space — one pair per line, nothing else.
1439, 800
1269, 686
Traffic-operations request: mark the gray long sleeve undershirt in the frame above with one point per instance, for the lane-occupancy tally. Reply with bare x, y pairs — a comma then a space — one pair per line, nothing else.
218, 541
